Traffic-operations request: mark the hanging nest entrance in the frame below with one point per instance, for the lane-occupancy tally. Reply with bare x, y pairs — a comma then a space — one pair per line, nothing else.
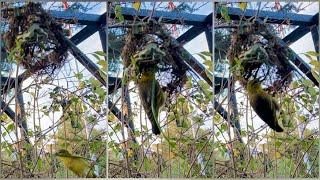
150, 47
255, 53
34, 40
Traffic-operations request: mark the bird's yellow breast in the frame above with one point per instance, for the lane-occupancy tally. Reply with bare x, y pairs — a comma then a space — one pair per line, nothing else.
76, 165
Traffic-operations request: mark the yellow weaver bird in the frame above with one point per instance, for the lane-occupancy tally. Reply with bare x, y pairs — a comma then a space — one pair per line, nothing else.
263, 104
152, 98
76, 164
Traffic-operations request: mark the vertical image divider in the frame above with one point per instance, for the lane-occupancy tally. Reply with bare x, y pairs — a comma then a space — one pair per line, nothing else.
213, 87
107, 99
317, 49
0, 96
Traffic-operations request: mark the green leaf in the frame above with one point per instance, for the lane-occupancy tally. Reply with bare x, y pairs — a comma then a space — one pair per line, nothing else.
118, 13
312, 91
208, 63
312, 53
103, 63
253, 164
202, 56
206, 53
315, 63
224, 127
225, 14
10, 127
94, 83
96, 56
100, 53
278, 143
189, 83
117, 127
78, 75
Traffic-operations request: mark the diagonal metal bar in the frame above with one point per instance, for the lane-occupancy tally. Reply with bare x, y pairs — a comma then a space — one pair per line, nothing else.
190, 34
296, 34
315, 38
103, 38
84, 60
195, 31
297, 61
7, 110
12, 115
301, 31
209, 39
84, 33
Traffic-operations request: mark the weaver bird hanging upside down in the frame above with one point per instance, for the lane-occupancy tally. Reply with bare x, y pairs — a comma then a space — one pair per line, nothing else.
76, 164
152, 98
263, 104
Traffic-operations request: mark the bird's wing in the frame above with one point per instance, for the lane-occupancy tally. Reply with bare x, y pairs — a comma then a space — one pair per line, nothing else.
263, 107
275, 104
79, 166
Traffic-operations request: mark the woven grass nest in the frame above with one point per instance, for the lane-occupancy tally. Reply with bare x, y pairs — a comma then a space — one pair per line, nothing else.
33, 39
171, 72
255, 53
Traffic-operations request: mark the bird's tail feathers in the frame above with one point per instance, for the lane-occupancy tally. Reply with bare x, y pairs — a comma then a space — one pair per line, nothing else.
275, 126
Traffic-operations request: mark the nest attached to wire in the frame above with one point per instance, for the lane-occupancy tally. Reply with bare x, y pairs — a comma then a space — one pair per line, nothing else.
170, 70
255, 53
34, 39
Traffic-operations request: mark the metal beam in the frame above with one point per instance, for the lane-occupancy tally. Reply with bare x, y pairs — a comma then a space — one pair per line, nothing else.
103, 39
315, 38
195, 31
301, 31
209, 39
11, 114
279, 17
114, 84
298, 61
7, 110
166, 16
129, 13
78, 17
84, 33
190, 34
84, 60
296, 34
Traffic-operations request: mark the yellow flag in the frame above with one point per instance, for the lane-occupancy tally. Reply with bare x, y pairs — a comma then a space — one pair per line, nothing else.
136, 5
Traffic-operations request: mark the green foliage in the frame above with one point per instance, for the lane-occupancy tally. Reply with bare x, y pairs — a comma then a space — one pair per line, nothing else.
225, 14
118, 10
